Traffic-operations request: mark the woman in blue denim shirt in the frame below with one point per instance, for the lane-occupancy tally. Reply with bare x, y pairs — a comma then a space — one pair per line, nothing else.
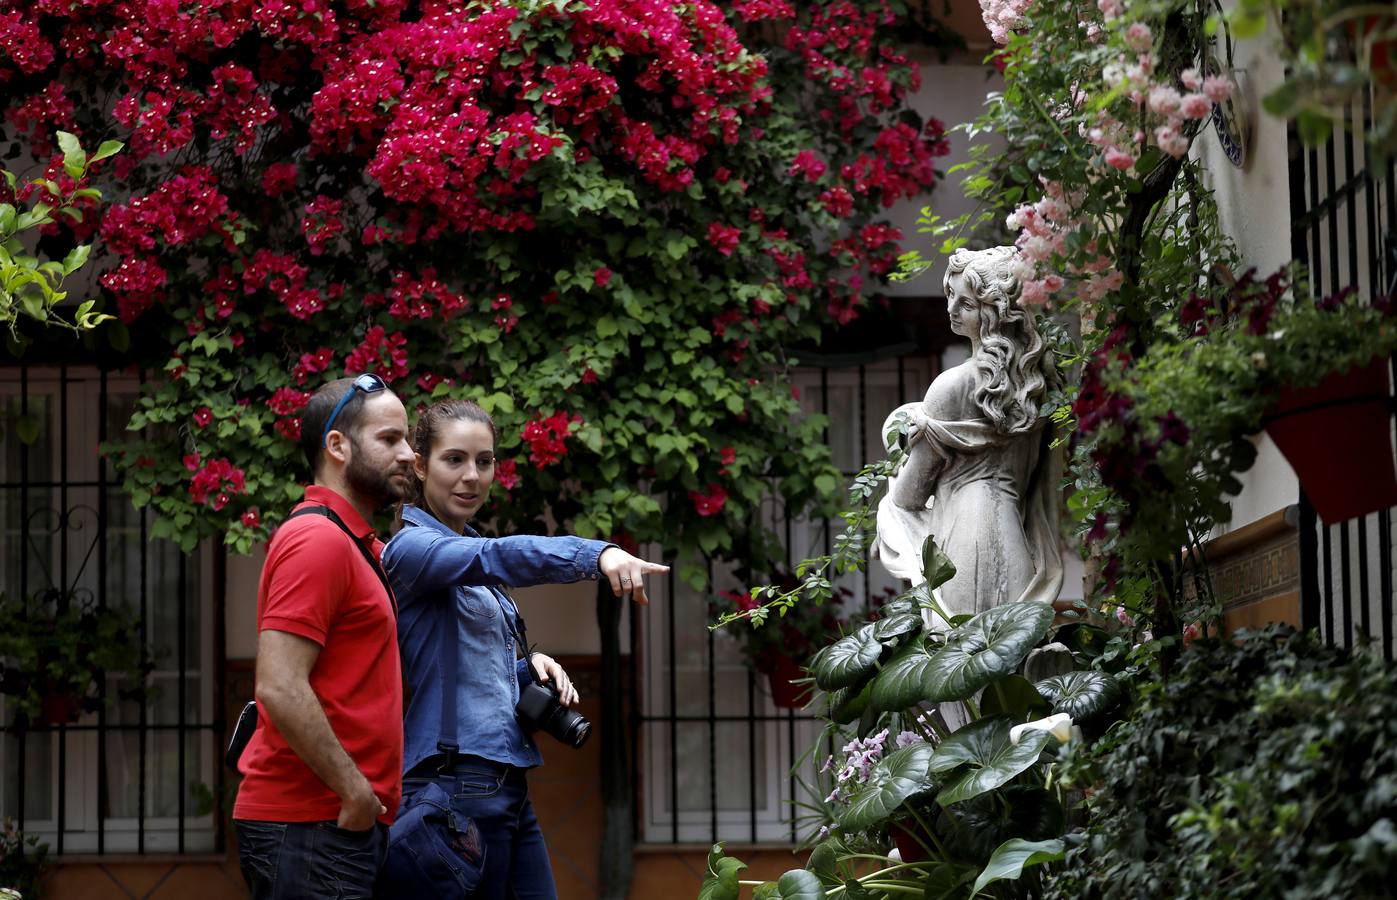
444, 575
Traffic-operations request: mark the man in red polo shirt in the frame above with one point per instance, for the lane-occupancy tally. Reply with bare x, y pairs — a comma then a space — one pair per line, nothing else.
323, 772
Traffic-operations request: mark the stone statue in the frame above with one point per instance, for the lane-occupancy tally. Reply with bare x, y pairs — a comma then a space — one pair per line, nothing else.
979, 474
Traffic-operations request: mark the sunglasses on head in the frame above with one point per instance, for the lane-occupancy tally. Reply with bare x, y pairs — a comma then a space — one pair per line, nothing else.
368, 383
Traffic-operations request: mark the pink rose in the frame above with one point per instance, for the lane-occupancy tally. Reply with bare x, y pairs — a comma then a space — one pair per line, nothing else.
1196, 106
1217, 87
1119, 159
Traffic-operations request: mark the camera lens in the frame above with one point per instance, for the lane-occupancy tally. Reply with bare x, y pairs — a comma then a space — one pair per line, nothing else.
570, 727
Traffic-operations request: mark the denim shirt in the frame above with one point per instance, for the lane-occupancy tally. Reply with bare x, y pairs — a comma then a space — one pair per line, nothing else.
438, 576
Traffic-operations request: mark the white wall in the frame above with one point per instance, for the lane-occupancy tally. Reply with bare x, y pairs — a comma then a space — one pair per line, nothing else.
1254, 208
240, 619
955, 94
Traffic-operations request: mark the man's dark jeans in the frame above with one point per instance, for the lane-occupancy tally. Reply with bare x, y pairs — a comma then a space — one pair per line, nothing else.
319, 860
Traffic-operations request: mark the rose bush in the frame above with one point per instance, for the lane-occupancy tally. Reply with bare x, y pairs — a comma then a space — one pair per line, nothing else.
1117, 227
603, 221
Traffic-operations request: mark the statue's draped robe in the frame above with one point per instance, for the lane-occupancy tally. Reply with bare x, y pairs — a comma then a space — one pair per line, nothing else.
992, 511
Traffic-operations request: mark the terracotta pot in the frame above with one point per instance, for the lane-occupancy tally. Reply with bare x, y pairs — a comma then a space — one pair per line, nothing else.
784, 694
58, 708
1382, 60
909, 837
1337, 436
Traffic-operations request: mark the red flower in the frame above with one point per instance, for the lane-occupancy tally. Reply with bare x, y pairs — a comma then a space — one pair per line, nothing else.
808, 165
728, 456
711, 503
203, 416
289, 428
218, 475
506, 474
279, 178
547, 438
191, 462
251, 518
601, 276
724, 238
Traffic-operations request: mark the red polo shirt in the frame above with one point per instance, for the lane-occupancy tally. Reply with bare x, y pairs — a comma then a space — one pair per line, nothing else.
317, 585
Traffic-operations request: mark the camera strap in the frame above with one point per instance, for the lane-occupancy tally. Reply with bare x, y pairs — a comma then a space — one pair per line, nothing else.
448, 663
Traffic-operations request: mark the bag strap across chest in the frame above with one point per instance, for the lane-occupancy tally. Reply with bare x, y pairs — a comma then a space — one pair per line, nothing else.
374, 564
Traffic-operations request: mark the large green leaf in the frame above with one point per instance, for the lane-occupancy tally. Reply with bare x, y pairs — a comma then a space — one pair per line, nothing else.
1086, 642
1009, 861
847, 660
896, 777
947, 881
989, 646
985, 757
1082, 695
720, 879
824, 859
895, 628
902, 683
1013, 695
937, 567
797, 884
848, 703
1016, 810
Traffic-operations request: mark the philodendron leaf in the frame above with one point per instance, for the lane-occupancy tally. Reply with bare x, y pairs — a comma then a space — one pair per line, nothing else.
824, 860
989, 646
895, 628
848, 703
798, 884
720, 879
1013, 695
902, 683
847, 660
1014, 855
899, 775
937, 567
1081, 695
986, 757
1013, 811
947, 881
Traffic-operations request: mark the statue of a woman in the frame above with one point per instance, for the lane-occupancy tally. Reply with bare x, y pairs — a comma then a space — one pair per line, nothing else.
978, 450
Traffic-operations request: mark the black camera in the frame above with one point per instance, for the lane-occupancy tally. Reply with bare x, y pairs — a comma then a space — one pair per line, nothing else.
539, 710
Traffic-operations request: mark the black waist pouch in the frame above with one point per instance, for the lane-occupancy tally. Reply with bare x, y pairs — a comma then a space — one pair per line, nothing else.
242, 733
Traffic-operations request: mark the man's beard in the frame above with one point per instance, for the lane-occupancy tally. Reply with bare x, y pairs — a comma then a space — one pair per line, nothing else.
372, 484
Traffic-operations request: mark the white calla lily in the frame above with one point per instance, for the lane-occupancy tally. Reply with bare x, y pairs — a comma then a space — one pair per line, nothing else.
1058, 725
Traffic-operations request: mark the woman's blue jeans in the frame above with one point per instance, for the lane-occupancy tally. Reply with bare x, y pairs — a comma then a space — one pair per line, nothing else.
496, 796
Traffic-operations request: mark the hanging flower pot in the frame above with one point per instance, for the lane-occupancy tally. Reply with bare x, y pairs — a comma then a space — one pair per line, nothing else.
1382, 54
58, 707
910, 839
1337, 436
785, 694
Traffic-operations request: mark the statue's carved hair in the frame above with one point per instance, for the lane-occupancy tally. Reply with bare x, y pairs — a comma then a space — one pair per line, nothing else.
1014, 368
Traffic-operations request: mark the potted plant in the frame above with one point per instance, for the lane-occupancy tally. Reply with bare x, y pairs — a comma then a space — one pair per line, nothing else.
944, 749
23, 862
55, 650
1350, 409
1335, 53
779, 646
